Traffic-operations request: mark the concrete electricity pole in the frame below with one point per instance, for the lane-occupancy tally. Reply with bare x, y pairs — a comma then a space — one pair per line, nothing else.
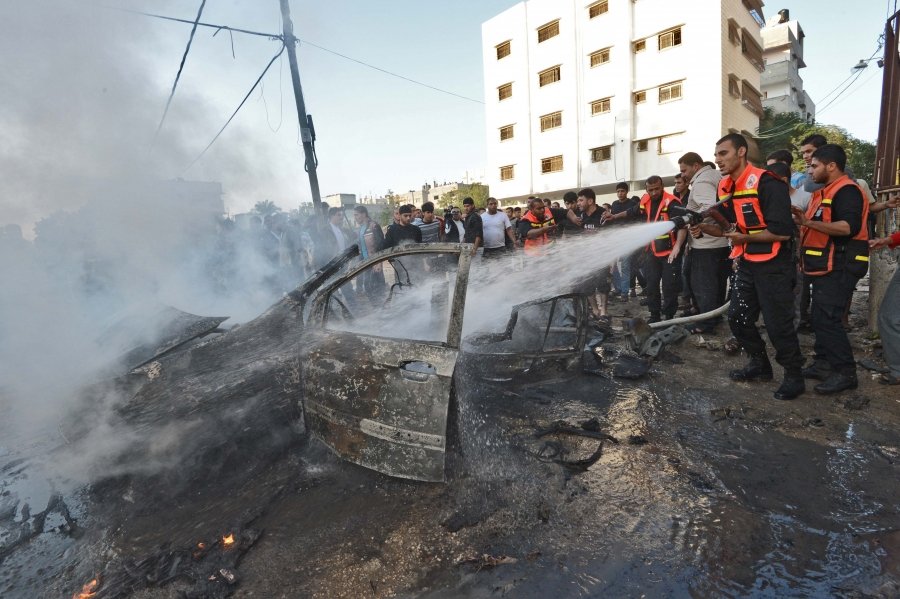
307, 132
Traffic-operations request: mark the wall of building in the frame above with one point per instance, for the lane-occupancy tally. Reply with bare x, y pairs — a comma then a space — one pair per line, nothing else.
701, 63
782, 83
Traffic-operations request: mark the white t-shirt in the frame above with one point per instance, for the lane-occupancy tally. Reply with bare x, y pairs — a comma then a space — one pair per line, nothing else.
494, 227
339, 235
800, 198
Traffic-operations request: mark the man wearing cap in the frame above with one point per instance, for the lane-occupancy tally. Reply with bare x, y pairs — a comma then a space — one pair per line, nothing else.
403, 233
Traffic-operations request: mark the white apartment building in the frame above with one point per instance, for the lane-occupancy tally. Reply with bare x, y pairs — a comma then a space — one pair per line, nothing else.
782, 85
585, 93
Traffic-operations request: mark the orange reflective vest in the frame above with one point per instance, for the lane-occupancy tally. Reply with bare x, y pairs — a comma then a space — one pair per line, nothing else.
533, 246
662, 245
744, 195
817, 249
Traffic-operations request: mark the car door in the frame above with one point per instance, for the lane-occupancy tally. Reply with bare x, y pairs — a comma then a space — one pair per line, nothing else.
378, 356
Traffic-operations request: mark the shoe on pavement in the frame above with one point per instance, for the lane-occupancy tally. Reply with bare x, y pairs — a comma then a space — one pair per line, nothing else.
757, 369
791, 387
837, 382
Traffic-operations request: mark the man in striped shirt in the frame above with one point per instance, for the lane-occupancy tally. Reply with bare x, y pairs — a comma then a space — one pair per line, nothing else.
432, 227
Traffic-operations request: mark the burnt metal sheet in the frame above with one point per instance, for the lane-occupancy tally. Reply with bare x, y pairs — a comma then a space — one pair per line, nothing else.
529, 347
363, 402
159, 330
380, 402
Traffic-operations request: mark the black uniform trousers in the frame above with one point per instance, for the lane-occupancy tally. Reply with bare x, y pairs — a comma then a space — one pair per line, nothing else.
709, 271
658, 270
830, 295
766, 287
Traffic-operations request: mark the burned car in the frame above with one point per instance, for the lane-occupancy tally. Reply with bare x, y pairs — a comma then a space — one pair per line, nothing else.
364, 355
382, 343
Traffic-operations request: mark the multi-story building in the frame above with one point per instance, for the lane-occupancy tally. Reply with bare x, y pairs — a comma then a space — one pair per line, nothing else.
782, 85
592, 93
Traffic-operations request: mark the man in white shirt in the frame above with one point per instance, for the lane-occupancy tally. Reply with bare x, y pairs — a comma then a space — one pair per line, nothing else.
710, 266
496, 229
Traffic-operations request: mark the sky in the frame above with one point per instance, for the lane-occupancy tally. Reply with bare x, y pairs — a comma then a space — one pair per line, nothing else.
87, 94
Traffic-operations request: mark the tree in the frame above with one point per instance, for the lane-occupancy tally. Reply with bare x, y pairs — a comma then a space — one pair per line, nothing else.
266, 208
785, 131
476, 191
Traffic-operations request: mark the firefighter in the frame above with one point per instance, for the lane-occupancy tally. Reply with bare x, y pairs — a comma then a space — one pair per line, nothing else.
758, 205
539, 226
834, 255
662, 260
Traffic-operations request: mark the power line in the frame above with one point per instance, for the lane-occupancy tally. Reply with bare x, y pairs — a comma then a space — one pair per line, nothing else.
228, 122
180, 68
365, 64
272, 36
324, 49
859, 87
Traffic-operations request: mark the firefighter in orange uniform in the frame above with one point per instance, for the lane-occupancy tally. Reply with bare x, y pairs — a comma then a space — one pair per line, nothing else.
759, 206
662, 261
539, 226
834, 254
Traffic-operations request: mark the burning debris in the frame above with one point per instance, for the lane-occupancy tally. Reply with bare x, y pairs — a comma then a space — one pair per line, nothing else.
207, 570
89, 590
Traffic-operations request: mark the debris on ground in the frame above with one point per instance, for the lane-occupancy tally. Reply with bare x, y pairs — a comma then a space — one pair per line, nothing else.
857, 402
486, 561
711, 344
563, 428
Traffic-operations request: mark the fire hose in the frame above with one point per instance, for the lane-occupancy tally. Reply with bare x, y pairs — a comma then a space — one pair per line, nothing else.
685, 218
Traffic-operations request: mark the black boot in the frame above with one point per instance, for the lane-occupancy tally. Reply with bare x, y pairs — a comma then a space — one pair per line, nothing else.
757, 369
819, 370
792, 386
837, 382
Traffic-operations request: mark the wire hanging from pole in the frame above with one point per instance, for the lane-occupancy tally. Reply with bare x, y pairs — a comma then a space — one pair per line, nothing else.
187, 49
228, 122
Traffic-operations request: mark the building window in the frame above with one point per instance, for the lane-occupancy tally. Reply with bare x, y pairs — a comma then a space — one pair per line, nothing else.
642, 145
504, 91
666, 144
551, 121
547, 31
639, 46
601, 106
640, 97
734, 32
734, 86
598, 8
669, 92
600, 57
751, 98
549, 76
503, 50
601, 154
554, 164
752, 51
506, 132
670, 38
507, 172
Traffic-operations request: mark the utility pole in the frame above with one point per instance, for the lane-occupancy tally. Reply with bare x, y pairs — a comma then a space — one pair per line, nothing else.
307, 133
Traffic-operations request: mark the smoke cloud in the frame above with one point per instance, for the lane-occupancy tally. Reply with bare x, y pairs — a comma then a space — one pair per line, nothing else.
96, 232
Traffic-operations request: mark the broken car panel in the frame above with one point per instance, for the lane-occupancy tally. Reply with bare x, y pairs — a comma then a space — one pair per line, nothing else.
379, 352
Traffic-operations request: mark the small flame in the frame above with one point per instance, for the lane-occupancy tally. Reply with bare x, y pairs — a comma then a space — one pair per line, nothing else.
201, 545
88, 590
228, 540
